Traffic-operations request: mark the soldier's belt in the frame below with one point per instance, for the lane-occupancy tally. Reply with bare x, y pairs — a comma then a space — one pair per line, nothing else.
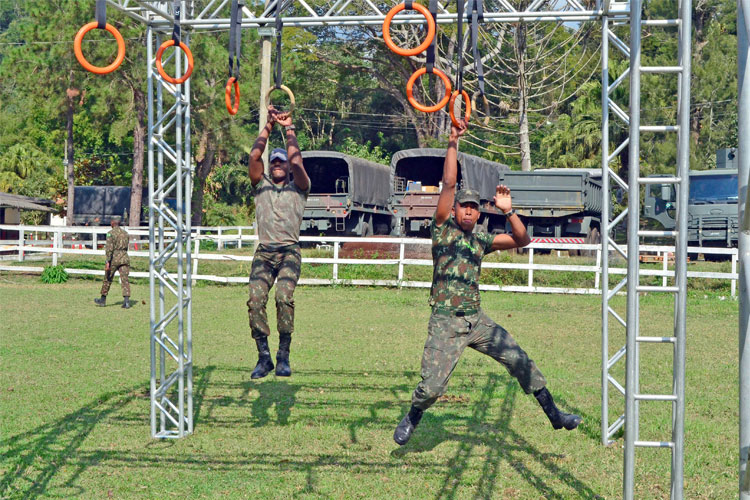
454, 312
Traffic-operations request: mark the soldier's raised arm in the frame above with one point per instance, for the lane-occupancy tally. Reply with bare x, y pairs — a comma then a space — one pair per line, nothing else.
450, 174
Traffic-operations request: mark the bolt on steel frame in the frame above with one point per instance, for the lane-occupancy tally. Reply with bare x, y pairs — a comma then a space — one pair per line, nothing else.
176, 419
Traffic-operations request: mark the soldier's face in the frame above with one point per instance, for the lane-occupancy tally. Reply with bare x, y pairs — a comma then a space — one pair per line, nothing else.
466, 215
279, 170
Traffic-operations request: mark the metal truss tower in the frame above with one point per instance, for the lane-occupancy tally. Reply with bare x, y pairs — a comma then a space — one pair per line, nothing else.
170, 167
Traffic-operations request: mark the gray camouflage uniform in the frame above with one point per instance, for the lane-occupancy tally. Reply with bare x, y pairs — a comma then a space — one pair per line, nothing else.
457, 320
116, 251
278, 212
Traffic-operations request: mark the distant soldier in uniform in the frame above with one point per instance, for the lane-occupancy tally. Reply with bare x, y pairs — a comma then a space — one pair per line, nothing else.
457, 321
116, 251
279, 205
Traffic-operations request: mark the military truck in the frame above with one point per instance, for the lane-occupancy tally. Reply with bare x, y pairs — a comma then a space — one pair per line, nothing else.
348, 195
98, 205
416, 183
555, 203
712, 207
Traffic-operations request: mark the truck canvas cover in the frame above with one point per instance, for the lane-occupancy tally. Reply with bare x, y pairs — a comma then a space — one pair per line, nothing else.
330, 171
425, 165
558, 189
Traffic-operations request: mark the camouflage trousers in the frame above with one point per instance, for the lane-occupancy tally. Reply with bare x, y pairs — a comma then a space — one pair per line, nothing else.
283, 266
124, 271
449, 335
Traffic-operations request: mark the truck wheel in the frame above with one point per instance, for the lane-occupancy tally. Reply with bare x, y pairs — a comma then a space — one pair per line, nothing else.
592, 238
381, 228
366, 229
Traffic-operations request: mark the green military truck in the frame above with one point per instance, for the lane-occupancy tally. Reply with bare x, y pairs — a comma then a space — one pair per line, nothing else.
348, 195
712, 207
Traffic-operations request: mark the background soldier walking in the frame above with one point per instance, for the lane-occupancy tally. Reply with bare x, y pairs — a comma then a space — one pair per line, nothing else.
279, 205
116, 251
457, 320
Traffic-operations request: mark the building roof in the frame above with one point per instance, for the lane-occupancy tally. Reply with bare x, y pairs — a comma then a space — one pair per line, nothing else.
24, 202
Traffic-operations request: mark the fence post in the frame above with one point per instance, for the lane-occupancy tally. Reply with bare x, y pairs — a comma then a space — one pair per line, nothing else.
401, 247
94, 239
531, 271
733, 282
335, 261
664, 266
598, 273
220, 244
196, 254
20, 244
239, 240
55, 244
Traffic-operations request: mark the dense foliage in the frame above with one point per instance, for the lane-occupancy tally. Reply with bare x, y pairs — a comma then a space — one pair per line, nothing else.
350, 97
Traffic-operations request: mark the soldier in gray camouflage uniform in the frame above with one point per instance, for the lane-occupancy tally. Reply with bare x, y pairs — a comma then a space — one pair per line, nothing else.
116, 251
279, 205
457, 320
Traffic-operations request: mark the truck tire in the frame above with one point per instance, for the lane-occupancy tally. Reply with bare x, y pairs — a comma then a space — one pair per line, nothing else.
366, 229
381, 228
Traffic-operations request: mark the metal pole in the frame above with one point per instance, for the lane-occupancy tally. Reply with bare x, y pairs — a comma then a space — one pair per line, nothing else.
631, 424
151, 219
743, 153
605, 232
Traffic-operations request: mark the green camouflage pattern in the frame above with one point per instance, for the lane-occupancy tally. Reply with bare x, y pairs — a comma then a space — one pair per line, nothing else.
116, 249
109, 275
448, 336
284, 266
457, 260
278, 212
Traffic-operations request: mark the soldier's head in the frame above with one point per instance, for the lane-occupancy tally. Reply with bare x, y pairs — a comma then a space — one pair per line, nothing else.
466, 209
279, 166
114, 222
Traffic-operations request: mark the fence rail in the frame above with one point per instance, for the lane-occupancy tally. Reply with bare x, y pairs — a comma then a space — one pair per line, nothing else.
55, 244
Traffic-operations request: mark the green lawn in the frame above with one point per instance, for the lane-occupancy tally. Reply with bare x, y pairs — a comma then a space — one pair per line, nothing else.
74, 419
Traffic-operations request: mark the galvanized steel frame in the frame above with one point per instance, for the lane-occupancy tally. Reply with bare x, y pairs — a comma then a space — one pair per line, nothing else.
213, 15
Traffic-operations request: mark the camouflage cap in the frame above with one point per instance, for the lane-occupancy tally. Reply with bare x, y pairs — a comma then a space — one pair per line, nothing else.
467, 196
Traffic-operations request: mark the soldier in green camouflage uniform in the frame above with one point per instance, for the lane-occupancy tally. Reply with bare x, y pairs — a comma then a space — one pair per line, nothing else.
279, 205
457, 320
116, 251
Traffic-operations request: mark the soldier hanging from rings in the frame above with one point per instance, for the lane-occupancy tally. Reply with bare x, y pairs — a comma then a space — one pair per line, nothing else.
457, 321
117, 260
279, 205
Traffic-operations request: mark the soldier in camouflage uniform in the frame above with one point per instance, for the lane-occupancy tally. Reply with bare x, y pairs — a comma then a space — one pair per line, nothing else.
279, 205
116, 251
457, 320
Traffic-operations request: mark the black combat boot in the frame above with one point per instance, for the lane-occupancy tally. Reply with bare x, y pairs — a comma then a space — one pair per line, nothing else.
282, 356
126, 303
265, 365
407, 426
102, 301
558, 418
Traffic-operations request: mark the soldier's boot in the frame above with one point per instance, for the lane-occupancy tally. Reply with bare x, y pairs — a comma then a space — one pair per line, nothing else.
101, 302
282, 356
126, 303
558, 418
407, 425
265, 365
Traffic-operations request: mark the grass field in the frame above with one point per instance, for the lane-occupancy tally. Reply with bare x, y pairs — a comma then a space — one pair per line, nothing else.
74, 419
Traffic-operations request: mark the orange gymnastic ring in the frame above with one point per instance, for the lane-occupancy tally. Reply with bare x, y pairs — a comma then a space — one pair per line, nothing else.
175, 81
421, 107
387, 30
285, 89
486, 120
79, 53
228, 96
467, 103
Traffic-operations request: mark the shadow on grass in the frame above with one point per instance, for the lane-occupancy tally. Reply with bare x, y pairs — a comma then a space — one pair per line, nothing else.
502, 445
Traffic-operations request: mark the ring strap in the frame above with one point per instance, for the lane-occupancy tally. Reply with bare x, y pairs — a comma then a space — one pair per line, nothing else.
101, 14
235, 37
477, 14
176, 26
460, 44
279, 28
430, 62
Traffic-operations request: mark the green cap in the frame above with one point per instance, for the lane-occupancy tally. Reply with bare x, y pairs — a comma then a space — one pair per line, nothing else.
467, 196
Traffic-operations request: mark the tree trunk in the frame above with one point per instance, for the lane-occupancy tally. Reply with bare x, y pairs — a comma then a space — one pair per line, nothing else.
70, 94
205, 162
523, 98
139, 138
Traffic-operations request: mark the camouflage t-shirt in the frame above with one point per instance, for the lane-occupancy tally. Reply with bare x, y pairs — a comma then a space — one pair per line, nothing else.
116, 248
457, 260
278, 212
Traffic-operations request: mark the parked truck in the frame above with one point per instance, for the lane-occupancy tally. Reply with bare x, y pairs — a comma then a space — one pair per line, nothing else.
348, 195
555, 203
98, 205
712, 207
416, 183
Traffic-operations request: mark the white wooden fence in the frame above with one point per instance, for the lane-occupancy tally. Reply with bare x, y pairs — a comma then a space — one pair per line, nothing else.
42, 241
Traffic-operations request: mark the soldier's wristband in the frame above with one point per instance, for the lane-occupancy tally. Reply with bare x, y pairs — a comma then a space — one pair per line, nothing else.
289, 127
512, 212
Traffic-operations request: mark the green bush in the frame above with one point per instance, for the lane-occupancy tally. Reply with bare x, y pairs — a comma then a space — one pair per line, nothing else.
54, 274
